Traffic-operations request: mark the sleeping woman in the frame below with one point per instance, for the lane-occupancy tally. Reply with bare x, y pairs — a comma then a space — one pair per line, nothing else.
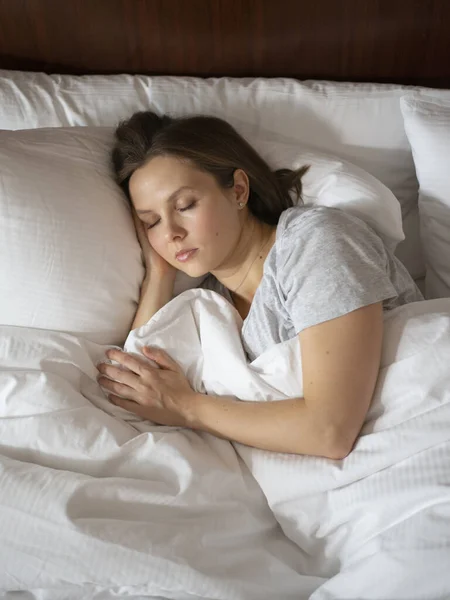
205, 203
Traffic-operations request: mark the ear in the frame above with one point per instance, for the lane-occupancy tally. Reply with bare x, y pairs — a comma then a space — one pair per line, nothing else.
241, 186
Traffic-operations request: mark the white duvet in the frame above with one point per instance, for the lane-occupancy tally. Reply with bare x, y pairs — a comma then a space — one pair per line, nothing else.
97, 503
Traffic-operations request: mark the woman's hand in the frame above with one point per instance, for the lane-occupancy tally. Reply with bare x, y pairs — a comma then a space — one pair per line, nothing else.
154, 262
162, 395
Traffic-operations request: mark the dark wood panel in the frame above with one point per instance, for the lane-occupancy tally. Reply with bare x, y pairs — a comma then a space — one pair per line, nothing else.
357, 40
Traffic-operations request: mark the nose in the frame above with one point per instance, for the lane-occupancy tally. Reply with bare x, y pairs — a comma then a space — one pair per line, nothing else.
174, 231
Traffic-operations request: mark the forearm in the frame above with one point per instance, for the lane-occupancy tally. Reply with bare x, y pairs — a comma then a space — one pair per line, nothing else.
155, 293
280, 426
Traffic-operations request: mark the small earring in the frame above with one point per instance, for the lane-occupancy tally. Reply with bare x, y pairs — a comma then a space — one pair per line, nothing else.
241, 205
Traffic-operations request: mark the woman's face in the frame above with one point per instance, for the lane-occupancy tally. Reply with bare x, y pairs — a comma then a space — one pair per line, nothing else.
185, 209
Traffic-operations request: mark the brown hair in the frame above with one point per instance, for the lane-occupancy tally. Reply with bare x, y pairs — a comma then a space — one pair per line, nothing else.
212, 145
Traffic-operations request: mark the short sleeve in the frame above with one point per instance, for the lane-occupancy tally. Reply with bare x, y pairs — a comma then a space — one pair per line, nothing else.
330, 264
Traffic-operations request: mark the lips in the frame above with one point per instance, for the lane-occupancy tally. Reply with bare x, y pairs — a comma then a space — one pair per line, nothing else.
184, 255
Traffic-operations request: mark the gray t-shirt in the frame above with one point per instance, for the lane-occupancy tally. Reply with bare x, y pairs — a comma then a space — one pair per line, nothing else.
324, 264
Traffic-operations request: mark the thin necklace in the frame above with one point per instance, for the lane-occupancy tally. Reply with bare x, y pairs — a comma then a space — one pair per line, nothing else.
248, 270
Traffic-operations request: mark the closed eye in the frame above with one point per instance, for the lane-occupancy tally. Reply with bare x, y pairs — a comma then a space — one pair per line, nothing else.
153, 224
191, 205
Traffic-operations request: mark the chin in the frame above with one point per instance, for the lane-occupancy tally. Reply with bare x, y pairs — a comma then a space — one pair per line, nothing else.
192, 270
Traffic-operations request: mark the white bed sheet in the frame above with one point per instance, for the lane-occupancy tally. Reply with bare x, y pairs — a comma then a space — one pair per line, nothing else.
93, 498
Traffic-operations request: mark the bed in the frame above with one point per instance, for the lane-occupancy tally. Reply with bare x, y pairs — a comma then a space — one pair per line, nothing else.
97, 503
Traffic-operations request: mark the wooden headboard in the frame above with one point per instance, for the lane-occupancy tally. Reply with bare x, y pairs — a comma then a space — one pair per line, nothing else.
402, 41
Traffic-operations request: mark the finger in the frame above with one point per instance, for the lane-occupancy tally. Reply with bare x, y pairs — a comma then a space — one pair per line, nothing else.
118, 388
120, 374
140, 229
129, 405
161, 358
135, 218
131, 361
134, 214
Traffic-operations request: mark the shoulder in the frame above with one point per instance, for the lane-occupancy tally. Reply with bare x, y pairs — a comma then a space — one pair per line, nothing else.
331, 263
327, 244
314, 219
307, 228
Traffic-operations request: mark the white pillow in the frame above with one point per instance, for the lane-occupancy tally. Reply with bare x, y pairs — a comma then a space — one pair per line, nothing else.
73, 259
334, 182
427, 125
359, 122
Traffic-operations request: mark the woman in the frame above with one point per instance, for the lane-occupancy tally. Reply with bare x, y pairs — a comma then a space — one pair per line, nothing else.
204, 202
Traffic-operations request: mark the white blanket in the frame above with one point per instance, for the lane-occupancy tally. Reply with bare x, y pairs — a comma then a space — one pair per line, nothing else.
97, 503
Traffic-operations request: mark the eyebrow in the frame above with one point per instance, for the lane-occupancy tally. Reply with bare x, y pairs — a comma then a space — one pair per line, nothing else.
171, 198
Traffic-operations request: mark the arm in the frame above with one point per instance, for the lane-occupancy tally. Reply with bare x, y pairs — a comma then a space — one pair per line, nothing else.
157, 287
340, 364
156, 292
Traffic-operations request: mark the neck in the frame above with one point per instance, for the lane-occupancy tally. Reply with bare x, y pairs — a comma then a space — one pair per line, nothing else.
242, 272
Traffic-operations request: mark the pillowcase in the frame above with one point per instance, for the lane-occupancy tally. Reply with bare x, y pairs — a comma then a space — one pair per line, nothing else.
73, 258
427, 125
359, 122
333, 182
